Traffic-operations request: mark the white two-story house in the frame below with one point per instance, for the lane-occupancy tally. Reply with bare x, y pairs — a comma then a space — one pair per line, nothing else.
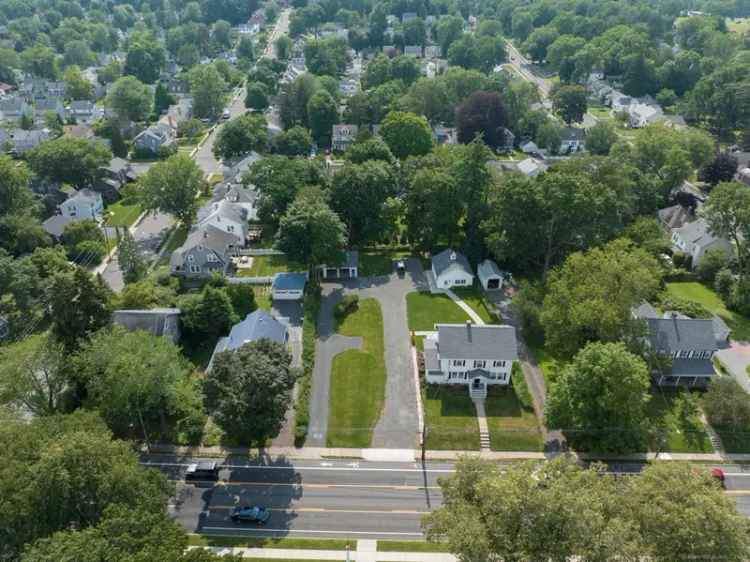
471, 355
695, 239
82, 205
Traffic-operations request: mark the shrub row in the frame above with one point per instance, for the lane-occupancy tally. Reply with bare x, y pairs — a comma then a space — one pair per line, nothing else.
309, 335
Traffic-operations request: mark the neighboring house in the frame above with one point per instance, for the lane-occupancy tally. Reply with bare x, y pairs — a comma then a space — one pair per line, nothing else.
288, 286
433, 52
155, 139
12, 109
84, 111
490, 275
22, 141
414, 51
451, 269
444, 135
642, 114
529, 147
234, 172
408, 16
156, 321
470, 355
573, 140
531, 167
258, 325
695, 239
343, 136
346, 268
205, 251
230, 218
509, 141
178, 113
119, 169
675, 216
244, 197
49, 105
82, 205
686, 344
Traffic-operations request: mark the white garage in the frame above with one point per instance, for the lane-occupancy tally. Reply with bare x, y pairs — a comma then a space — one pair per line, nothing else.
490, 276
451, 269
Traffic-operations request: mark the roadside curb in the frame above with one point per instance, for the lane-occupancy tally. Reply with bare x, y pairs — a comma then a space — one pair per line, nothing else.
388, 455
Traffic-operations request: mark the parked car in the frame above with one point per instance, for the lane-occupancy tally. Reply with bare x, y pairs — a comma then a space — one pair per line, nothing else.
251, 514
400, 268
204, 470
719, 475
226, 115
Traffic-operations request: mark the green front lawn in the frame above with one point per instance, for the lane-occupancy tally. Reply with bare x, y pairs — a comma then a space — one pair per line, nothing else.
451, 418
411, 546
269, 542
512, 427
477, 300
679, 439
740, 325
424, 310
123, 213
358, 379
268, 266
379, 262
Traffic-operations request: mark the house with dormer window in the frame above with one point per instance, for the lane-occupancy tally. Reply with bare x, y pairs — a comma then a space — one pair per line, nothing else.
471, 355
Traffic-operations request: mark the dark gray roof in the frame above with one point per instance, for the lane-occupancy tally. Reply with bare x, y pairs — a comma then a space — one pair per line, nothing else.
488, 268
573, 133
156, 321
692, 368
448, 259
208, 236
721, 330
677, 334
55, 225
675, 216
470, 341
256, 326
287, 281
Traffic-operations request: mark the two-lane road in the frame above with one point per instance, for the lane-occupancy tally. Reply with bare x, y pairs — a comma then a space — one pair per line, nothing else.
337, 498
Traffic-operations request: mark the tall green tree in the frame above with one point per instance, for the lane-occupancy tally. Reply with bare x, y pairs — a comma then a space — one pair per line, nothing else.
600, 399
590, 297
145, 58
206, 315
130, 99
570, 103
63, 472
310, 232
406, 134
131, 261
727, 213
433, 208
69, 160
323, 114
242, 135
73, 324
172, 186
358, 195
137, 381
209, 91
252, 382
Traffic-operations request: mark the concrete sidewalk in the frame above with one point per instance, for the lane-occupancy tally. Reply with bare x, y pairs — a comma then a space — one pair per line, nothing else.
359, 555
409, 455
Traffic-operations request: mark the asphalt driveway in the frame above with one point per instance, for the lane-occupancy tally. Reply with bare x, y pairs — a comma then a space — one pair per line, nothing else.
397, 426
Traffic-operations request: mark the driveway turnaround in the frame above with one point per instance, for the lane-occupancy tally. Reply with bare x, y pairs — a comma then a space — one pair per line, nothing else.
328, 345
398, 424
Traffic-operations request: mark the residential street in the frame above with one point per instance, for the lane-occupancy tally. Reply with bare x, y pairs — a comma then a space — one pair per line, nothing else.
337, 498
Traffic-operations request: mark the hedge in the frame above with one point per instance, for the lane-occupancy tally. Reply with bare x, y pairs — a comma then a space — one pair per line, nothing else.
309, 335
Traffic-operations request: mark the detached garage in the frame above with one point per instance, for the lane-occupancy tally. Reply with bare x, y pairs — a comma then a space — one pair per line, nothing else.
490, 276
288, 286
451, 269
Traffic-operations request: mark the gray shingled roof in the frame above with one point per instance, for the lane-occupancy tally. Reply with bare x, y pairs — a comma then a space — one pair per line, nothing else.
448, 259
676, 334
208, 236
469, 341
697, 232
256, 326
645, 310
431, 356
488, 268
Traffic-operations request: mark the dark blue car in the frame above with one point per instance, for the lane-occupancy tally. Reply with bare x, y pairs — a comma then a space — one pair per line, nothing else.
251, 514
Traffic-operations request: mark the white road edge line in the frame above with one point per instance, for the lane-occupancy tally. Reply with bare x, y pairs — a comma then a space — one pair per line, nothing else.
395, 533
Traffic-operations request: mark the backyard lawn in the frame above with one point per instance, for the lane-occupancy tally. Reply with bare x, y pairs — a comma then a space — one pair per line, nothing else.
268, 266
358, 379
451, 419
512, 427
679, 439
477, 300
123, 213
698, 292
424, 310
379, 262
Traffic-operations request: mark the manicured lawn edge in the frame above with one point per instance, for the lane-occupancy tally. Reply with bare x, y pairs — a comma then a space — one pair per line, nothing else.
311, 307
411, 546
424, 310
512, 426
450, 418
358, 379
269, 542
